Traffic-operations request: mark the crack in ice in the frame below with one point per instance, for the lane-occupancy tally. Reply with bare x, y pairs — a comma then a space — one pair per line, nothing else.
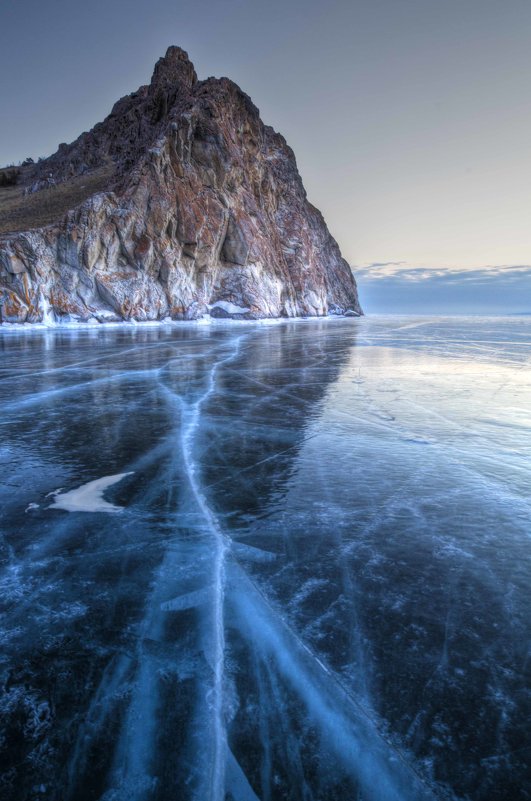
190, 423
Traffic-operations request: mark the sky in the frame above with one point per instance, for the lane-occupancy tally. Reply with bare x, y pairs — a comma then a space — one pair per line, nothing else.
410, 119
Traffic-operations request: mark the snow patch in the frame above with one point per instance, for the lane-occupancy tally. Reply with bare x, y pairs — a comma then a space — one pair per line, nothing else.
89, 497
229, 307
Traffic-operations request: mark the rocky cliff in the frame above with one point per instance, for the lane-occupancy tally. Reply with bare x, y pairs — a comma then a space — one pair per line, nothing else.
181, 203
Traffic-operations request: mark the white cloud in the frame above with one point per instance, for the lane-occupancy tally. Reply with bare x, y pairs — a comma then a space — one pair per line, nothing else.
401, 287
412, 272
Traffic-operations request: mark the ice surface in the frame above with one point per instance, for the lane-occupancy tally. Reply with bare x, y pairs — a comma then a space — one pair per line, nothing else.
319, 587
189, 600
88, 497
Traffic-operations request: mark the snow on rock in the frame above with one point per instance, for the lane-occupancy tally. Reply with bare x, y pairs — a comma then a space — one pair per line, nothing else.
229, 308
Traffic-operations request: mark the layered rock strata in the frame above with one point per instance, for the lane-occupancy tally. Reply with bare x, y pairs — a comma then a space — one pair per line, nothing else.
202, 211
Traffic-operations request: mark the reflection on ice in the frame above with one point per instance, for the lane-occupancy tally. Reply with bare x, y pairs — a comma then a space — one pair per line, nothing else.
317, 587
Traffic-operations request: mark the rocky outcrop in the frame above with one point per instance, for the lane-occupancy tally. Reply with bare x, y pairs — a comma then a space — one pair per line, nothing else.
204, 212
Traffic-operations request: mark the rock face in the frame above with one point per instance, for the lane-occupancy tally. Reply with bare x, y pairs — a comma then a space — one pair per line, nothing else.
204, 212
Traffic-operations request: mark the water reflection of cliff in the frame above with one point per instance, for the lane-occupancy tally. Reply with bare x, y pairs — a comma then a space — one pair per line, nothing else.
268, 396
85, 641
104, 383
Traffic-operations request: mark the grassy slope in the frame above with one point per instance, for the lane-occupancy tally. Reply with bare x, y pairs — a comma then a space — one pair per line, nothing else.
20, 213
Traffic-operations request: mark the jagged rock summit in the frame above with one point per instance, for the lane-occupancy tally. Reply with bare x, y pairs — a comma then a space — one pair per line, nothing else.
180, 203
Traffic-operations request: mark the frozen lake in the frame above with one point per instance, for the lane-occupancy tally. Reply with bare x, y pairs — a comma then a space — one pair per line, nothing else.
285, 561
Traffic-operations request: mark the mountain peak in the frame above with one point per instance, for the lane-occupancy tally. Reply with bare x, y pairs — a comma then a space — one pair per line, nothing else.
174, 68
181, 203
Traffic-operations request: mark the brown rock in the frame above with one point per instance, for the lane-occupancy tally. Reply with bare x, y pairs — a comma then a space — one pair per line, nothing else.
204, 204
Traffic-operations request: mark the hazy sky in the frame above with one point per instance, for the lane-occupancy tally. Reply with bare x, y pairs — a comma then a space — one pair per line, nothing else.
410, 119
